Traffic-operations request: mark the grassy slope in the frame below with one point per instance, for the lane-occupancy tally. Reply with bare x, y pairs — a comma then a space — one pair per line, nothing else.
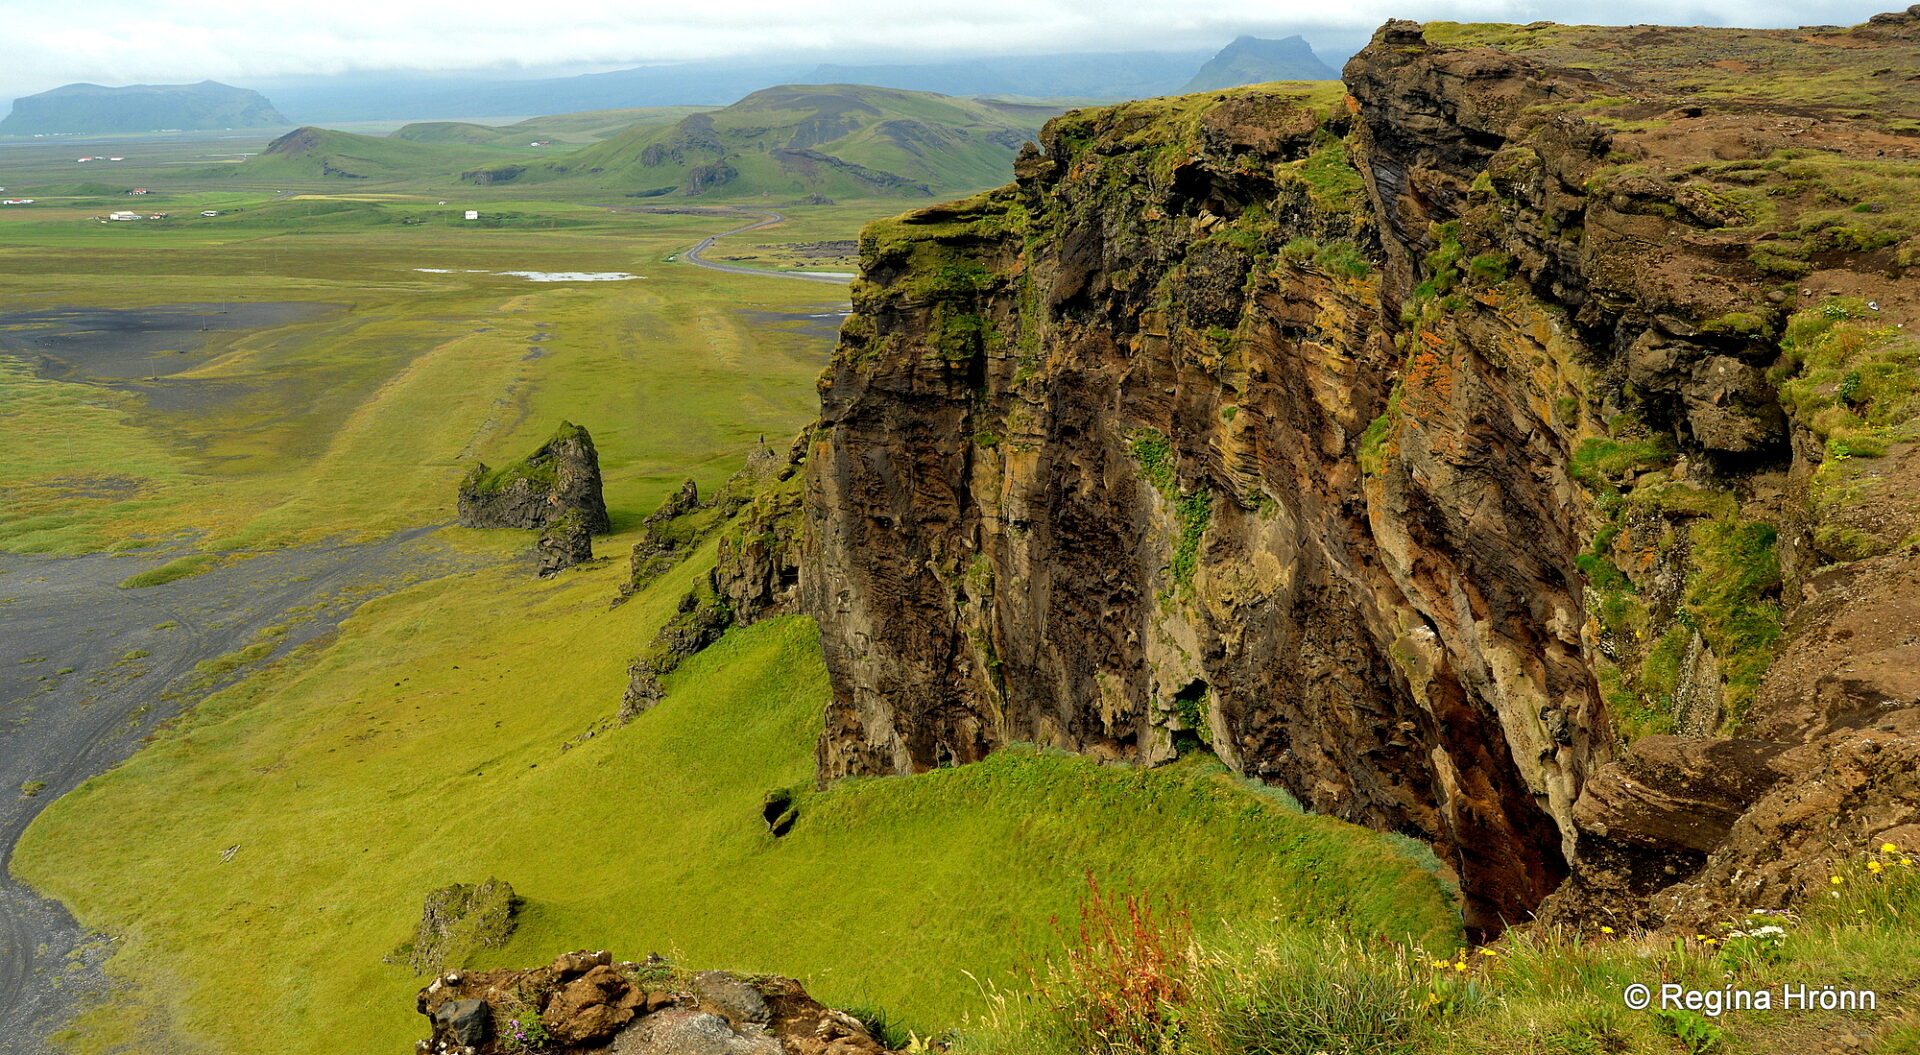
425, 748
371, 158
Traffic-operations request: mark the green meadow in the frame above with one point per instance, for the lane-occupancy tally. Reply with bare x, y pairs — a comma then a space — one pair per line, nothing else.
361, 416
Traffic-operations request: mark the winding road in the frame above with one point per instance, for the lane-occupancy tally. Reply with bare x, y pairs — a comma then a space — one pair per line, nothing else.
696, 257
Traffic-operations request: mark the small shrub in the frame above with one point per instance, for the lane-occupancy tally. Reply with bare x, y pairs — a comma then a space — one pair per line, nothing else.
1119, 985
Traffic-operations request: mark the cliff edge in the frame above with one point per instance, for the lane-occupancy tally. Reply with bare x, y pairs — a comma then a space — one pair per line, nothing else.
1514, 449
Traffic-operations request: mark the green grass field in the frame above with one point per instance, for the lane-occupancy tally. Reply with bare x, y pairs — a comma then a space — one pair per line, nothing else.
426, 747
362, 419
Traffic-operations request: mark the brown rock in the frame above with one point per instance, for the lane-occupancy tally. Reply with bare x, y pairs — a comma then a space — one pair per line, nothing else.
592, 1007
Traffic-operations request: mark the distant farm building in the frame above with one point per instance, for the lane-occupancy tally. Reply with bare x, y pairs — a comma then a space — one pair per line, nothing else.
123, 215
17, 201
473, 214
210, 212
139, 190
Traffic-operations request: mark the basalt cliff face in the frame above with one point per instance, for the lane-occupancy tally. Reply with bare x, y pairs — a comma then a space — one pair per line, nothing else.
1511, 448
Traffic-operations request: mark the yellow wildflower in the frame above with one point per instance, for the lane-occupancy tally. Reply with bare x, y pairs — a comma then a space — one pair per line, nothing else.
1461, 966
1887, 848
1835, 880
1606, 930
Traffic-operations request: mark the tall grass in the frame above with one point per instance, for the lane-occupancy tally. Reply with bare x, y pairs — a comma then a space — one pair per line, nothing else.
1135, 981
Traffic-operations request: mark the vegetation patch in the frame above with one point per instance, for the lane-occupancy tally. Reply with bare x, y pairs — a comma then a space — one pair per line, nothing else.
1192, 510
417, 705
172, 571
1732, 597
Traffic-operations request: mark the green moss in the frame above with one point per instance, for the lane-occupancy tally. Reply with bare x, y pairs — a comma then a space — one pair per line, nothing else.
1490, 268
1730, 597
1601, 463
1373, 441
1193, 510
1335, 183
537, 469
456, 922
1740, 324
1849, 377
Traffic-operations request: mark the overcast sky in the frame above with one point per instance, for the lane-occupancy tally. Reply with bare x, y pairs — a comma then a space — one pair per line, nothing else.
46, 44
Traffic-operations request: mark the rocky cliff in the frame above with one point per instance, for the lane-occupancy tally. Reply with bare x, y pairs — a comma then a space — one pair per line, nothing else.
1510, 449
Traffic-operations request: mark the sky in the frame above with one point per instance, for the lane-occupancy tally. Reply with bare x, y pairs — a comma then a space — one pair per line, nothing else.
44, 45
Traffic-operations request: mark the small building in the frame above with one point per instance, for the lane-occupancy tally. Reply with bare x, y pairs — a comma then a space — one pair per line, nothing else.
473, 214
210, 212
123, 215
17, 201
137, 191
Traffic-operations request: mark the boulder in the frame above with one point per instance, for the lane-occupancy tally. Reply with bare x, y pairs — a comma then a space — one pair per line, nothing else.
728, 995
592, 1008
463, 1022
565, 543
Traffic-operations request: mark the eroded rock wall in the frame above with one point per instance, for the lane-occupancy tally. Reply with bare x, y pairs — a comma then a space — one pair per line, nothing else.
1379, 443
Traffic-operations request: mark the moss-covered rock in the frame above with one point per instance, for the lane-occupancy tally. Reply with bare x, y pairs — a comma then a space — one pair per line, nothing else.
560, 478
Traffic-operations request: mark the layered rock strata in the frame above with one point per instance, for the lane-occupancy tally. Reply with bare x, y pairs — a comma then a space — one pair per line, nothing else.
1457, 450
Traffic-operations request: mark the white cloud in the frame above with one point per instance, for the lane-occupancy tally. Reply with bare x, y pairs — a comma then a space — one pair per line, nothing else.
128, 41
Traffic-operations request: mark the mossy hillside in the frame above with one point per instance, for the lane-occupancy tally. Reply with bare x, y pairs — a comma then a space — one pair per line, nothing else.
430, 745
1715, 65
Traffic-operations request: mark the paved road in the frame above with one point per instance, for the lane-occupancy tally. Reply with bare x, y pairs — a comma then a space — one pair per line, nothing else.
694, 255
84, 667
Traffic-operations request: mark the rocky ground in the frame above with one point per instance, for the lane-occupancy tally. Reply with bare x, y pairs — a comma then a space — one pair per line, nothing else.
584, 1002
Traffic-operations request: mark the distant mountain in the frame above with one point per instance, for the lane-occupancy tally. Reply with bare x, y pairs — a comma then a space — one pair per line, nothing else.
376, 97
1253, 60
91, 108
1112, 75
830, 139
394, 95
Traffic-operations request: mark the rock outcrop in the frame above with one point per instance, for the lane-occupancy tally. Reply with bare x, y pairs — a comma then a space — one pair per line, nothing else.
584, 1002
555, 490
756, 571
1457, 453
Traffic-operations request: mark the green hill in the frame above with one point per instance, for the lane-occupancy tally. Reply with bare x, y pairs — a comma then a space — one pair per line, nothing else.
1254, 60
836, 139
590, 126
326, 152
92, 108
